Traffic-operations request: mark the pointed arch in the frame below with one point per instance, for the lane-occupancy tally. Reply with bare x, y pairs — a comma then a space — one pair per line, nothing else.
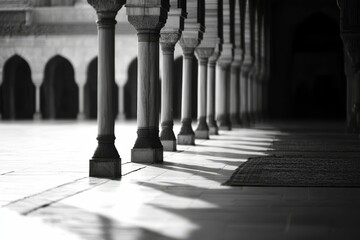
59, 93
17, 90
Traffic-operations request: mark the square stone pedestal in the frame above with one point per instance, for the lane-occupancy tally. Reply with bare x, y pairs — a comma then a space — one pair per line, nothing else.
147, 155
105, 168
169, 145
186, 139
202, 134
213, 131
225, 128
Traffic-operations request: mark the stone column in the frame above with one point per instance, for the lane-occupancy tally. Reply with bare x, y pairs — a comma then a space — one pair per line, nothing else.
222, 94
350, 34
148, 18
222, 91
186, 135
234, 93
235, 69
190, 39
106, 161
213, 128
202, 54
246, 67
169, 36
37, 80
167, 135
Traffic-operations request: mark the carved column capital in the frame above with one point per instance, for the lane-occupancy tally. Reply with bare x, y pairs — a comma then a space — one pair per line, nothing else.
106, 9
147, 16
203, 54
188, 45
168, 41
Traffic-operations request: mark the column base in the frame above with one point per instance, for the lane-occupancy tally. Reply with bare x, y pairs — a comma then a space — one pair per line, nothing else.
147, 155
213, 130
186, 139
225, 128
169, 145
235, 121
202, 134
105, 168
245, 120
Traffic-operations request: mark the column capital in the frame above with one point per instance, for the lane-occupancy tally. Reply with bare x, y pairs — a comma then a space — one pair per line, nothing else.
188, 45
203, 54
168, 41
147, 16
106, 8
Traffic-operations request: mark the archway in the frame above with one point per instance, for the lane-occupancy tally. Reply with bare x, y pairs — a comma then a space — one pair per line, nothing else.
178, 87
59, 93
17, 90
90, 93
318, 82
130, 91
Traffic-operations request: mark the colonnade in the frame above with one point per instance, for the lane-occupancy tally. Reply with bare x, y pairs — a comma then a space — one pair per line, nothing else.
228, 39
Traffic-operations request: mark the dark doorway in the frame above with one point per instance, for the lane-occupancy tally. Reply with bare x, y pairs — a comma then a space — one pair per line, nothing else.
318, 82
17, 90
90, 93
178, 87
130, 91
59, 93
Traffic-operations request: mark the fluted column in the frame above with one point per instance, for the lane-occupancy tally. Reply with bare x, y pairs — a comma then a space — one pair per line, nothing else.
148, 19
106, 161
202, 54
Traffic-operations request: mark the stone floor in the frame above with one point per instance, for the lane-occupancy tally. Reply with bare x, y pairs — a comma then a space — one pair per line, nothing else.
45, 191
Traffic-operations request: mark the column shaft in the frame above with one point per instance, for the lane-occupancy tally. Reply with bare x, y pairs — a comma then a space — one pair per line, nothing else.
222, 114
186, 135
106, 161
244, 97
213, 128
202, 130
105, 81
148, 147
167, 136
234, 96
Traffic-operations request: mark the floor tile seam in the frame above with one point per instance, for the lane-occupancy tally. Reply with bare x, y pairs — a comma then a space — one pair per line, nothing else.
43, 193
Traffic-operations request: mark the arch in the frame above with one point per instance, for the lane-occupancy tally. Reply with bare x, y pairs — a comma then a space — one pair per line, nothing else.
178, 66
130, 91
59, 93
318, 82
17, 90
90, 92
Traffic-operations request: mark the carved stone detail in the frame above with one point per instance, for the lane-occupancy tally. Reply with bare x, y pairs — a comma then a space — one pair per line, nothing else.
188, 45
106, 8
203, 53
147, 16
168, 41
